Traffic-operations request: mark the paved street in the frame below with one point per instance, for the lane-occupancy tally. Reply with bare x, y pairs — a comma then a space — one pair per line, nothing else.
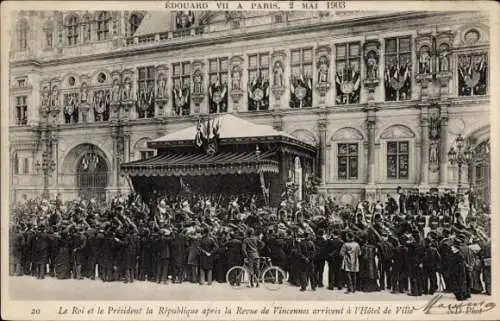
28, 288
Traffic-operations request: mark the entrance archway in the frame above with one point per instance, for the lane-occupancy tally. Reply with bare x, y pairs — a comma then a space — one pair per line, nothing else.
92, 176
86, 171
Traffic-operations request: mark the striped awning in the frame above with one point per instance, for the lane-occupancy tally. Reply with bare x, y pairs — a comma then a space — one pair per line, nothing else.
200, 164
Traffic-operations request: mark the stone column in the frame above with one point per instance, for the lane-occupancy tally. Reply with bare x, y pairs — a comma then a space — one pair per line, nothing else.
371, 122
322, 127
424, 152
443, 150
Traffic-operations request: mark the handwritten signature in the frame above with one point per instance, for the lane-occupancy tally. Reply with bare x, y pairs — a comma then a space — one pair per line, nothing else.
434, 306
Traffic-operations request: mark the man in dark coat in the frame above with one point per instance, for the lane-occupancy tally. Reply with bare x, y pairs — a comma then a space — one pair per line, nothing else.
335, 275
385, 253
161, 244
414, 260
459, 272
207, 248
40, 250
131, 244
306, 255
234, 255
28, 264
178, 256
400, 276
92, 249
320, 257
251, 247
276, 248
431, 266
79, 244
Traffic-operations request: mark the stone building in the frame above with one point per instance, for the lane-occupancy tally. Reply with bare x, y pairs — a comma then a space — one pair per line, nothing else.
382, 95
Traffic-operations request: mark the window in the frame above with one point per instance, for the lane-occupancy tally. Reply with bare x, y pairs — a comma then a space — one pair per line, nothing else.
21, 83
347, 160
278, 18
145, 93
398, 69
301, 78
145, 154
21, 110
103, 25
72, 30
181, 78
218, 74
26, 167
258, 81
397, 160
22, 35
134, 22
347, 77
472, 74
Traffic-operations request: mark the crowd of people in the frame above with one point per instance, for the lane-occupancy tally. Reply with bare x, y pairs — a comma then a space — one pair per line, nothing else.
414, 243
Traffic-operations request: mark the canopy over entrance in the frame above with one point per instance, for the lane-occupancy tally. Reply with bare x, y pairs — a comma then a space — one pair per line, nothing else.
224, 146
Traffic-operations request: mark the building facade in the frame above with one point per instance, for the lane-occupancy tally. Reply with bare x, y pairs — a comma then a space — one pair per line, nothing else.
382, 95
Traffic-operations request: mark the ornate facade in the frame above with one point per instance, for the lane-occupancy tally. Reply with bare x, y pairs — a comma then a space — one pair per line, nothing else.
382, 95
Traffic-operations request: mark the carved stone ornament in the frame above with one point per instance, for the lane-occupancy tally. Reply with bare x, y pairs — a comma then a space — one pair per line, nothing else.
128, 94
434, 139
161, 85
371, 55
278, 72
116, 87
198, 83
235, 89
323, 67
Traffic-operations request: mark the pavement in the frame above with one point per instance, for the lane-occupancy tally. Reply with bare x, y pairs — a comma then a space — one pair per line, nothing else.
30, 288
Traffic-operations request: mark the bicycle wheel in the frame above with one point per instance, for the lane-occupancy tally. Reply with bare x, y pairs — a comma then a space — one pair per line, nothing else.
273, 278
238, 277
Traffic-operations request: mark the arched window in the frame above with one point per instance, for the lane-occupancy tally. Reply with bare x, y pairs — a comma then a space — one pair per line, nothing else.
72, 30
134, 22
103, 25
22, 35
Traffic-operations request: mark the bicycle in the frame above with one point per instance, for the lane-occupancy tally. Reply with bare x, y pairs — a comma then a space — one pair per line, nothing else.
272, 277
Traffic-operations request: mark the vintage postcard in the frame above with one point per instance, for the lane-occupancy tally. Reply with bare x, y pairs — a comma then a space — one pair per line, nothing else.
249, 160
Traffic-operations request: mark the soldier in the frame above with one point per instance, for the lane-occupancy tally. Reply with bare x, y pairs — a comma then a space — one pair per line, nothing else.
306, 254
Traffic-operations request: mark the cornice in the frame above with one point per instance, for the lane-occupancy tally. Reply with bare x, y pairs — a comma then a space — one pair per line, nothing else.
237, 35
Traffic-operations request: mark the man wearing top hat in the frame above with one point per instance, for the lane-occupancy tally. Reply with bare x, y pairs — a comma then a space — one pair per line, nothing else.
207, 248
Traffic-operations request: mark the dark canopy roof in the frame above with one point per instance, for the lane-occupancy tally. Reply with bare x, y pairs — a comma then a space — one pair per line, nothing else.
198, 164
